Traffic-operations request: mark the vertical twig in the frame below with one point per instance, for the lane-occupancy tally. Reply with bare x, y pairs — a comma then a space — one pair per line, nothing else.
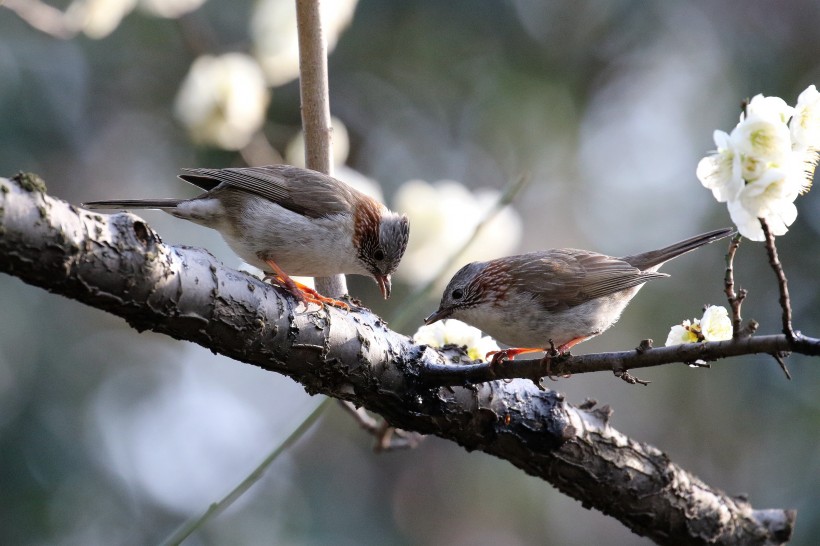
735, 298
313, 86
774, 262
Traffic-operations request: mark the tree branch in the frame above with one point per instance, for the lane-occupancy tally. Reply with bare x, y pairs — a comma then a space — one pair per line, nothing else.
782, 283
315, 96
735, 298
118, 264
534, 369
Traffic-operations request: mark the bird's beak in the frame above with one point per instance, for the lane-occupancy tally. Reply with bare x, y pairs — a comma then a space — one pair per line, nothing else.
438, 315
384, 284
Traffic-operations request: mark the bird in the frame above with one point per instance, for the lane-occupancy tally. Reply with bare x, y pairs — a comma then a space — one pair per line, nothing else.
287, 220
559, 297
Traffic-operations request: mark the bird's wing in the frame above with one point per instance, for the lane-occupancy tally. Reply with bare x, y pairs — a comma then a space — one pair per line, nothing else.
303, 191
564, 278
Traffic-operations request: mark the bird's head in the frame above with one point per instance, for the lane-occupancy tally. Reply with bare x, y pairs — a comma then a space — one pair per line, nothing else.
382, 238
465, 290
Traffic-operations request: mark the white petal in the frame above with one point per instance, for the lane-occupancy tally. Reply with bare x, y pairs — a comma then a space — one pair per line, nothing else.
805, 125
430, 334
773, 108
716, 324
678, 335
716, 172
747, 224
761, 138
223, 100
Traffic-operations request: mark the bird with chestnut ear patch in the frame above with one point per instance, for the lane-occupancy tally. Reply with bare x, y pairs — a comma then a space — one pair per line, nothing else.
557, 297
287, 220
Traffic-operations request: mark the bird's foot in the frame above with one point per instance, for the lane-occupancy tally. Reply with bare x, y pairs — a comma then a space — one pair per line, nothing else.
561, 352
308, 294
497, 358
509, 354
301, 292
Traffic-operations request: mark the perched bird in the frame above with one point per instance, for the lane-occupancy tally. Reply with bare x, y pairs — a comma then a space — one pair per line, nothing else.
291, 221
555, 297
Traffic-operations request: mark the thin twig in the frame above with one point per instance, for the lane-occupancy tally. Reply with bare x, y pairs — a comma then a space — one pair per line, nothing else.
781, 361
388, 438
217, 508
735, 299
534, 369
414, 301
782, 283
315, 96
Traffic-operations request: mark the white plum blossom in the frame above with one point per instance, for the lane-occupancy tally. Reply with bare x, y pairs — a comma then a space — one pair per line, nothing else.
455, 332
97, 18
444, 216
770, 197
170, 9
805, 125
720, 171
715, 325
276, 42
761, 144
222, 101
683, 333
767, 160
774, 109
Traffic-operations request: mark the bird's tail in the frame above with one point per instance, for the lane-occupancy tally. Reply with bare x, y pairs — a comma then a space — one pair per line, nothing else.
655, 258
134, 204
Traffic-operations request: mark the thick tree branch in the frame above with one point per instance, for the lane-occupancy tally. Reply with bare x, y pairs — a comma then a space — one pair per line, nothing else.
118, 264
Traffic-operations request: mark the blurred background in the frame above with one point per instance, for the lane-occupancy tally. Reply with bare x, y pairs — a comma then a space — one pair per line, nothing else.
108, 436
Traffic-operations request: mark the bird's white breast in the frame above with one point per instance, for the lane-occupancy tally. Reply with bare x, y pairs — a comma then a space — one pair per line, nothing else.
310, 247
518, 321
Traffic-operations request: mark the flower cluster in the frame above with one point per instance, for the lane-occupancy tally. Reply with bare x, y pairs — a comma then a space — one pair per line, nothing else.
715, 325
766, 162
455, 332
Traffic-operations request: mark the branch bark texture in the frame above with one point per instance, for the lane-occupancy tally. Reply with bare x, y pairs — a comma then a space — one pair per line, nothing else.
118, 264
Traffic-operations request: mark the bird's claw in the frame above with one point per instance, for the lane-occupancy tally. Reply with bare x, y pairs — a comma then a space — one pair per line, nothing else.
302, 292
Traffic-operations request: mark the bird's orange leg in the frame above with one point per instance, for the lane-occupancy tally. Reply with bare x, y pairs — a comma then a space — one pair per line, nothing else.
510, 354
572, 343
303, 293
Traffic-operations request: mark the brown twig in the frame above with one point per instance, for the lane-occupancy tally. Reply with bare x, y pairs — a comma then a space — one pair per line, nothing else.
617, 362
629, 378
782, 283
315, 96
782, 362
735, 298
388, 438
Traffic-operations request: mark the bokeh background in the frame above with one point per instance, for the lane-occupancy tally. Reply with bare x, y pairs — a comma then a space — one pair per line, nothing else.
108, 436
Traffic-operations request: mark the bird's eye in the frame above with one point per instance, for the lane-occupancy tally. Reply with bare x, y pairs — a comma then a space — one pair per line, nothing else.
379, 254
458, 294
